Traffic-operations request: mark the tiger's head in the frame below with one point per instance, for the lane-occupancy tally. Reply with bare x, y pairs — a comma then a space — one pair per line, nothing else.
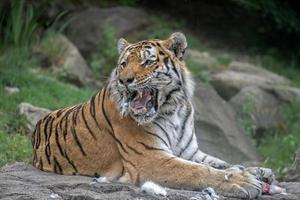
151, 79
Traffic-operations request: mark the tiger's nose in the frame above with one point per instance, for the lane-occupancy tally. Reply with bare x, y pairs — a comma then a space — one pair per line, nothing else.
126, 81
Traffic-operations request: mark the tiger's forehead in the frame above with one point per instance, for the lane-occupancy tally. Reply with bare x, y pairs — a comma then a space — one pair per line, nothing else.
142, 50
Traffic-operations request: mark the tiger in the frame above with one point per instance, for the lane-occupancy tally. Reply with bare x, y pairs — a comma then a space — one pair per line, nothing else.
139, 128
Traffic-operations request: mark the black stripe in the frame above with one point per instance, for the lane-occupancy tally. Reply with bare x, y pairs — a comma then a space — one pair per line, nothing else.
57, 165
109, 123
38, 135
92, 105
86, 124
174, 68
163, 73
70, 162
75, 113
193, 154
41, 164
148, 147
77, 140
48, 118
187, 145
168, 96
166, 60
59, 112
104, 113
57, 141
65, 118
134, 150
166, 134
184, 122
204, 158
150, 133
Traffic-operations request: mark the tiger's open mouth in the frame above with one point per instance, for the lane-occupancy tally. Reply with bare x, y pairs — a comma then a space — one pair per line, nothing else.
143, 103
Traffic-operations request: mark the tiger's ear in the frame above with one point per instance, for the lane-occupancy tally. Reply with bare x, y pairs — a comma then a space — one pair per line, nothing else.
177, 44
122, 44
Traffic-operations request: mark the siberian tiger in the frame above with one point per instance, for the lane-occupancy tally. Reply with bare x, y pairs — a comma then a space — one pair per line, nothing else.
139, 128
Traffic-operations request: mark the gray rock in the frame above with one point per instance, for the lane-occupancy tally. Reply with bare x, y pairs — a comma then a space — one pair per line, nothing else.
294, 172
23, 181
240, 75
202, 59
59, 53
285, 94
11, 90
218, 130
86, 27
259, 106
32, 114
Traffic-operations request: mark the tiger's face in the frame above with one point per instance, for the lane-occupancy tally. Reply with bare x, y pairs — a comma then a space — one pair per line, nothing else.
150, 78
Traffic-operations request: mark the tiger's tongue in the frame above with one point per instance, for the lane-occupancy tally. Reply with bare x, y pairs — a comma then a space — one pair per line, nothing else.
141, 100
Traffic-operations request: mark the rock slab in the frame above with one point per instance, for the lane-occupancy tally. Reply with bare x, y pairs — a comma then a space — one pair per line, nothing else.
23, 181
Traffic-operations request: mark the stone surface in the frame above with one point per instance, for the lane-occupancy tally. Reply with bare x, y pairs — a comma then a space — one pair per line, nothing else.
86, 27
32, 114
64, 59
294, 172
202, 59
11, 90
240, 75
23, 181
217, 128
261, 107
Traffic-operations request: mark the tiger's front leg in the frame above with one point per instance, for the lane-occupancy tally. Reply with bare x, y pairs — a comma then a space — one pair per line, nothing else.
170, 171
201, 157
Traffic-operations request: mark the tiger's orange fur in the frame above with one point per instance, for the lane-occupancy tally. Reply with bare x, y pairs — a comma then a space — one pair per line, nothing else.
98, 138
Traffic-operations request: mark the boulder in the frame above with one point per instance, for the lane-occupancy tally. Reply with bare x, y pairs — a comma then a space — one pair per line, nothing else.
294, 172
32, 113
218, 130
64, 59
202, 59
262, 107
240, 75
23, 181
86, 27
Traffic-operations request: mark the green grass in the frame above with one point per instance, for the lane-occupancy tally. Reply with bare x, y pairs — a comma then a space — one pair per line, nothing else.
14, 148
17, 69
279, 145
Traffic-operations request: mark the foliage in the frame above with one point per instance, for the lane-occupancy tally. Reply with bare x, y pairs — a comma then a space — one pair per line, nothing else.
14, 148
278, 146
19, 24
106, 56
17, 69
280, 12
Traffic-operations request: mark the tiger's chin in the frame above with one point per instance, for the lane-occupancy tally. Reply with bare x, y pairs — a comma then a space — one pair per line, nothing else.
143, 105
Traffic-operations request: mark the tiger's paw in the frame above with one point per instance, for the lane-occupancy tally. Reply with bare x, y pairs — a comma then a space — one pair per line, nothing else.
264, 174
240, 184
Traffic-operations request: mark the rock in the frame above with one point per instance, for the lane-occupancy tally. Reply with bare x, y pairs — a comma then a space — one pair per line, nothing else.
294, 172
23, 181
203, 59
285, 94
32, 113
262, 107
240, 75
11, 90
86, 27
59, 53
218, 130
